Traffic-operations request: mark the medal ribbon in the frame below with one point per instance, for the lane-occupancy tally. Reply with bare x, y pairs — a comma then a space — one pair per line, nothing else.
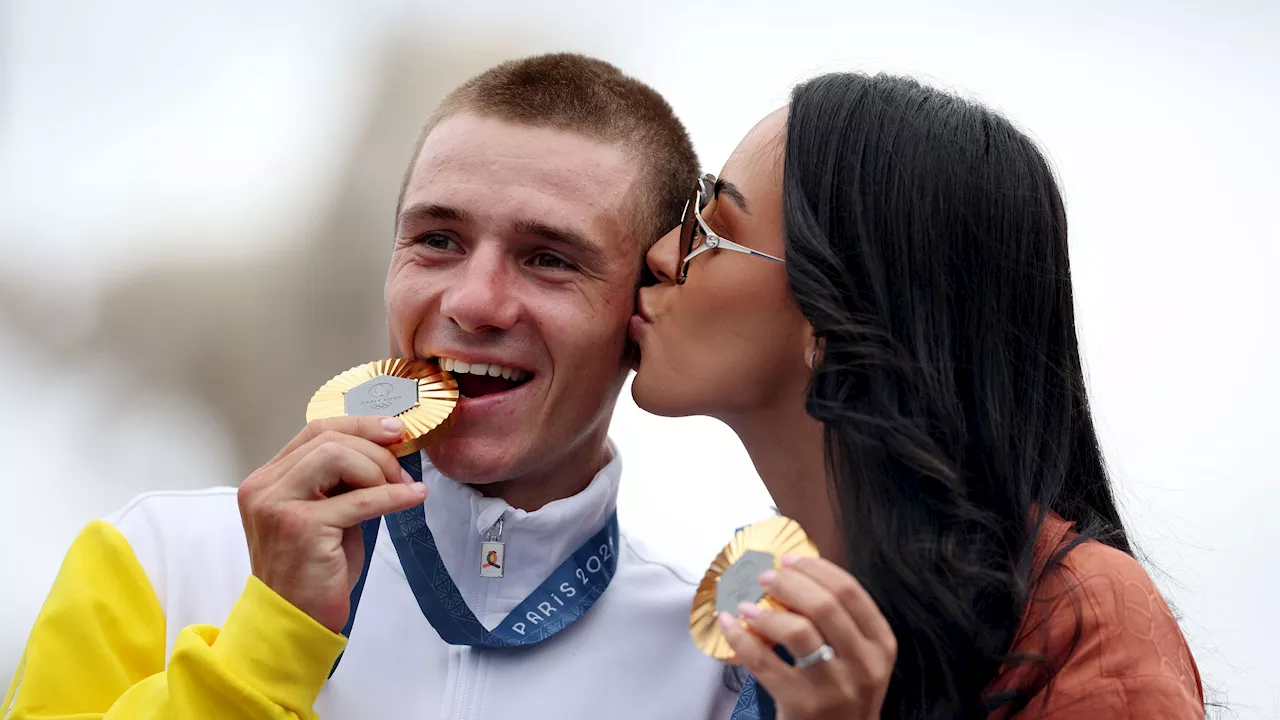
564, 597
754, 703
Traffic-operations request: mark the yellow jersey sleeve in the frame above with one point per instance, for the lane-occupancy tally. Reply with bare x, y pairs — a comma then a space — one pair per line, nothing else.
98, 650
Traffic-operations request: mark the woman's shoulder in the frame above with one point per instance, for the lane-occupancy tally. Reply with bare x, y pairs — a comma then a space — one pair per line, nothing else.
1117, 595
1097, 616
1124, 610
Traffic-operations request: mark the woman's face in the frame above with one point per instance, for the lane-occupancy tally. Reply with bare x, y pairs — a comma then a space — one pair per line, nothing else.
730, 341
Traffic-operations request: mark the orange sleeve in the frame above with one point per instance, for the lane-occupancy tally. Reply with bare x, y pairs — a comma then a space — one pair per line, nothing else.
1122, 654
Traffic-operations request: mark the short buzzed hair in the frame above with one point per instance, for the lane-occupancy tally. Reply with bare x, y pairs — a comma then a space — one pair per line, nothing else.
592, 98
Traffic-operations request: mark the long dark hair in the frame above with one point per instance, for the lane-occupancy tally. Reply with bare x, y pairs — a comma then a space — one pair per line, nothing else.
927, 245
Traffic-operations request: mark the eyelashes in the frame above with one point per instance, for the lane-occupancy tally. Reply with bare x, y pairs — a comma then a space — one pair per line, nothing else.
540, 259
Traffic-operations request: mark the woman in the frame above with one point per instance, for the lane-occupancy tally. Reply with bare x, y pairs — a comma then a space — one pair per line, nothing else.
875, 296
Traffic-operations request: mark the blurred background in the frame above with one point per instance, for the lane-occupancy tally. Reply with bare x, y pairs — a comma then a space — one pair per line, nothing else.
196, 207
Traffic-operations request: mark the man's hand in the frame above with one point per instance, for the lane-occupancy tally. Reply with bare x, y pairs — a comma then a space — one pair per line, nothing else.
302, 510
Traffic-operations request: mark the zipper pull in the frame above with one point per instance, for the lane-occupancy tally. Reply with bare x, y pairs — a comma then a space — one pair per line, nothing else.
493, 552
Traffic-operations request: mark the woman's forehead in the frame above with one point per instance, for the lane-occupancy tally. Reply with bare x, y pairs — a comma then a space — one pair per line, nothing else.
756, 164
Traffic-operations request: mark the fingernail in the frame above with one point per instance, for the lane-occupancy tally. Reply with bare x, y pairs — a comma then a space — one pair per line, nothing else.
790, 560
727, 621
767, 577
392, 425
420, 489
405, 477
750, 611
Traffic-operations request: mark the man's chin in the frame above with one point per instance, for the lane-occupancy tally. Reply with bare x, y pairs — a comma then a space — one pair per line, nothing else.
473, 461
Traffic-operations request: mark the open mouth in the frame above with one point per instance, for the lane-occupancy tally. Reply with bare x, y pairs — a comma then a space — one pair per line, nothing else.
480, 379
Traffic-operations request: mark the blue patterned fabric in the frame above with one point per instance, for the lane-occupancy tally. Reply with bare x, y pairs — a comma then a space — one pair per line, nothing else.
754, 702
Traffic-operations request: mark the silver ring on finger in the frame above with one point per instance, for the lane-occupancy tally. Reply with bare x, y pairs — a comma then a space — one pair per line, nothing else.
821, 655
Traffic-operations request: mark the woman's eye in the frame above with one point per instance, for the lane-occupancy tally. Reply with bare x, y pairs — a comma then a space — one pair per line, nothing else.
696, 241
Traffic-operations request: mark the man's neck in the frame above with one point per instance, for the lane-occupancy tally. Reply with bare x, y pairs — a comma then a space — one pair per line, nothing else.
564, 479
786, 446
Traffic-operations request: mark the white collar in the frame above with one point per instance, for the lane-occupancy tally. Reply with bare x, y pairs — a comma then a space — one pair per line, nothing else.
537, 542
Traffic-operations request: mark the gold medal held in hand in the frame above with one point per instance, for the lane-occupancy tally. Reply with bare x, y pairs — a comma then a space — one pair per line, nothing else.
734, 578
416, 391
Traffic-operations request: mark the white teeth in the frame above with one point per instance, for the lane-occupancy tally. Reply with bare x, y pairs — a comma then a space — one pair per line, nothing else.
451, 365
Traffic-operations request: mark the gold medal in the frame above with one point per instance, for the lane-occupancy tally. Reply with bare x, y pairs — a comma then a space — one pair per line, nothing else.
734, 578
418, 392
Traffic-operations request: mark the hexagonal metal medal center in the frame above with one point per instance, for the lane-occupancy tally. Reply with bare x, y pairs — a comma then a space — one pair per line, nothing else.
382, 395
741, 582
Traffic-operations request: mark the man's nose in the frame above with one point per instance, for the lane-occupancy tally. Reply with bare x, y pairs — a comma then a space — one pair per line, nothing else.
482, 295
661, 258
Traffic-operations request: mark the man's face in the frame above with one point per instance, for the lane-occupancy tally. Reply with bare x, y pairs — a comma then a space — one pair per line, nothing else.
514, 249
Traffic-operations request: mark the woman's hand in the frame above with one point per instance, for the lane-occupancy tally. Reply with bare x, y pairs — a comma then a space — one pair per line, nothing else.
829, 616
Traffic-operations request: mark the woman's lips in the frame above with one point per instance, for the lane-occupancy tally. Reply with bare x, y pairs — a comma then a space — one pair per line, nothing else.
637, 326
642, 307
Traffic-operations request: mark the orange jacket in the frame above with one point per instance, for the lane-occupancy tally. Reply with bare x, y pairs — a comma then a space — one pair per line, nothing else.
1129, 660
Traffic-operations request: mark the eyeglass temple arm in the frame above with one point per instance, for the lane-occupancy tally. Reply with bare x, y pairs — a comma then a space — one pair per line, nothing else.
731, 245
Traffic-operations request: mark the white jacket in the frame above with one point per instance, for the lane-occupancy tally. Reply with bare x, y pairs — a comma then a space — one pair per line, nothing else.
630, 657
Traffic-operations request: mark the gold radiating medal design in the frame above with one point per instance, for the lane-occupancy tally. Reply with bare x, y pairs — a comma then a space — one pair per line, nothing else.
418, 392
733, 578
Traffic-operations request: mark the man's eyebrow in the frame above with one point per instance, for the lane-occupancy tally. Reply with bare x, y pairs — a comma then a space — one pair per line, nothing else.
425, 212
728, 188
567, 237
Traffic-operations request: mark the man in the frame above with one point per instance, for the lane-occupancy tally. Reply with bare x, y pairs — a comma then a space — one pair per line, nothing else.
521, 229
